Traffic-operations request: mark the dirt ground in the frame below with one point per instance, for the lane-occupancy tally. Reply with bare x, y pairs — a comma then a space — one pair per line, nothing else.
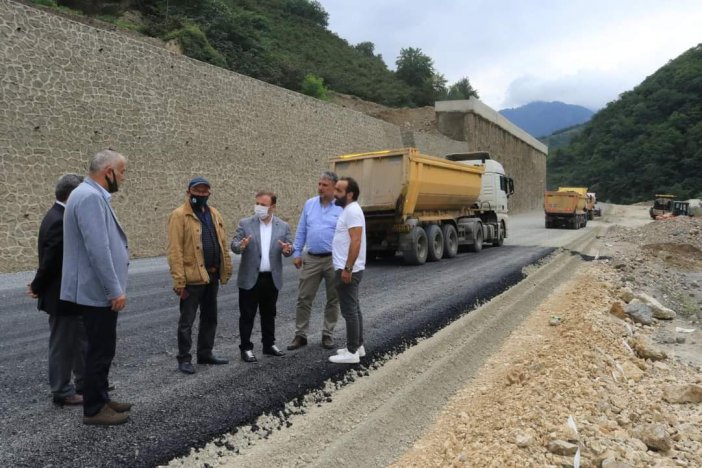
632, 392
420, 119
584, 368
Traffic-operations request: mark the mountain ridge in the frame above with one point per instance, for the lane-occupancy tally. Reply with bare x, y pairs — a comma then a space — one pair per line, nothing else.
543, 118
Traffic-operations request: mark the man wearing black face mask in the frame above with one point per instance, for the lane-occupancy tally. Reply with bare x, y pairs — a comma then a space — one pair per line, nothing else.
199, 261
94, 279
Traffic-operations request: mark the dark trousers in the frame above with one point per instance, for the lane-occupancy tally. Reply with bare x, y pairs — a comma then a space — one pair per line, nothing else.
66, 354
263, 296
351, 309
101, 333
205, 297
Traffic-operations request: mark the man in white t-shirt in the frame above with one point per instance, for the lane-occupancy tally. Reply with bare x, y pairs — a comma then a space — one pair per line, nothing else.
349, 259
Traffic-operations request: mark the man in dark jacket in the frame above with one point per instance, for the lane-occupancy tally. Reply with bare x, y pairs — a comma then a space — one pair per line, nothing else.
67, 334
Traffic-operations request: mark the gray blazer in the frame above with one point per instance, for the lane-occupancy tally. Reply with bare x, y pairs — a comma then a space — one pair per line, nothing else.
251, 256
95, 253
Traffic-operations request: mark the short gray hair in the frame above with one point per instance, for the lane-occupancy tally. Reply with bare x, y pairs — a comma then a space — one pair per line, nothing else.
65, 186
330, 175
103, 158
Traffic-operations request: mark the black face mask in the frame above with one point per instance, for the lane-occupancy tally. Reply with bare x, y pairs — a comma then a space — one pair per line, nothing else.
112, 185
198, 201
340, 201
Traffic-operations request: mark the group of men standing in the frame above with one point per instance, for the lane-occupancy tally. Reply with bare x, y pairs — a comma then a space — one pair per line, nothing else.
82, 276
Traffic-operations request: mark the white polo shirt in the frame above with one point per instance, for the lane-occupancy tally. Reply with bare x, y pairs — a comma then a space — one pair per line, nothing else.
351, 217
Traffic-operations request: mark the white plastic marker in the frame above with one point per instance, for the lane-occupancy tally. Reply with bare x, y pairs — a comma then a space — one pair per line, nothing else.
576, 459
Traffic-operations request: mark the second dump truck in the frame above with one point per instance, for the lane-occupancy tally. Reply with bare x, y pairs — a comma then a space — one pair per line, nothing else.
426, 206
590, 200
566, 208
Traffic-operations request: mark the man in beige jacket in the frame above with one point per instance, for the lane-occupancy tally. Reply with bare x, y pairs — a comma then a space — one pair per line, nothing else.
199, 260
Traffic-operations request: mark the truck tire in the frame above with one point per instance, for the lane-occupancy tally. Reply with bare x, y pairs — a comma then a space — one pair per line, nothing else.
500, 236
477, 244
417, 254
435, 243
450, 240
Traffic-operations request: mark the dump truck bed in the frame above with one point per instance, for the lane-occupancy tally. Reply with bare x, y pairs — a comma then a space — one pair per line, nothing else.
564, 202
405, 182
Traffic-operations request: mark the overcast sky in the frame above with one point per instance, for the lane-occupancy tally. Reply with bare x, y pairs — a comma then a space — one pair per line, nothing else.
584, 52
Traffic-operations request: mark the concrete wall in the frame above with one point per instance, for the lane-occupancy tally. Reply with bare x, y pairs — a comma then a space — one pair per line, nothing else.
484, 129
68, 90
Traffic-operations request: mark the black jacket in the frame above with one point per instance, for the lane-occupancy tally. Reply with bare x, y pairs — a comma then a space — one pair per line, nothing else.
47, 281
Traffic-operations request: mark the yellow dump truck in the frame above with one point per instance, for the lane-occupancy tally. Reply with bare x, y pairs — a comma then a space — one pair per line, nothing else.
565, 208
590, 202
426, 206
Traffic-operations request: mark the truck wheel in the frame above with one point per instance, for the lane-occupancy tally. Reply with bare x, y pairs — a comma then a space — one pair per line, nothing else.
417, 254
500, 236
450, 240
435, 243
477, 244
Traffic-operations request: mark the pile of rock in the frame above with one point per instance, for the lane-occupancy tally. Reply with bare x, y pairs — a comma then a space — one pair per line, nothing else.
594, 389
662, 259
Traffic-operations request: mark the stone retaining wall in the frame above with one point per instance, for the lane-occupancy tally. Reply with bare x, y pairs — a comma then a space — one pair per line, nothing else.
68, 89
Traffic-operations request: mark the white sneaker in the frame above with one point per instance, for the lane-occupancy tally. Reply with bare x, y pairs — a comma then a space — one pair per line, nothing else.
361, 351
345, 358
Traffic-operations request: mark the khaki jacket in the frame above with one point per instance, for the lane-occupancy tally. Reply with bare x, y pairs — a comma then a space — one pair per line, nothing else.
185, 258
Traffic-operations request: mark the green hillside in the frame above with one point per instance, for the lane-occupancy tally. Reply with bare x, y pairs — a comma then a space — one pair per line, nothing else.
648, 141
561, 138
283, 42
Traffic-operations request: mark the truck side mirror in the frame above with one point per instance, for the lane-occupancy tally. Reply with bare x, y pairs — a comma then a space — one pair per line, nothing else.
510, 186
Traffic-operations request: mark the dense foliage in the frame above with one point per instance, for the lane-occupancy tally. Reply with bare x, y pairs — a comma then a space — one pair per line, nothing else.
648, 141
561, 138
281, 42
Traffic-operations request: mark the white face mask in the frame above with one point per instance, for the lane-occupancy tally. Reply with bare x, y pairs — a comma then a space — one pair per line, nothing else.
261, 211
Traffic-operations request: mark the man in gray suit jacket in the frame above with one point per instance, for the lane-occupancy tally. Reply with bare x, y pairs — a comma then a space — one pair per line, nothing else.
261, 240
94, 278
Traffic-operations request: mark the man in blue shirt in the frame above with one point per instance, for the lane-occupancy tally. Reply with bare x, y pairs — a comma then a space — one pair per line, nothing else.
315, 230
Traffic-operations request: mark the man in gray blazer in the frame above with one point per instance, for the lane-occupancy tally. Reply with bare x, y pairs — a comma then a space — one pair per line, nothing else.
262, 240
94, 278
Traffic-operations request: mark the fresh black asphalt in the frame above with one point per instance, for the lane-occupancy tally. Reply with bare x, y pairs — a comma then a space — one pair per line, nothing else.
173, 412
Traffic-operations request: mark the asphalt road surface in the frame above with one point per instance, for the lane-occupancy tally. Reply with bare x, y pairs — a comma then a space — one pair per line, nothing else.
173, 412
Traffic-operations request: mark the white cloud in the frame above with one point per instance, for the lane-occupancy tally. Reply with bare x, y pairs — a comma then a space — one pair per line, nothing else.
582, 51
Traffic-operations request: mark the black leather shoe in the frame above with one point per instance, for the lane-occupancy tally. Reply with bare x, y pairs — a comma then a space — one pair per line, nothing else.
273, 351
186, 368
212, 360
248, 356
